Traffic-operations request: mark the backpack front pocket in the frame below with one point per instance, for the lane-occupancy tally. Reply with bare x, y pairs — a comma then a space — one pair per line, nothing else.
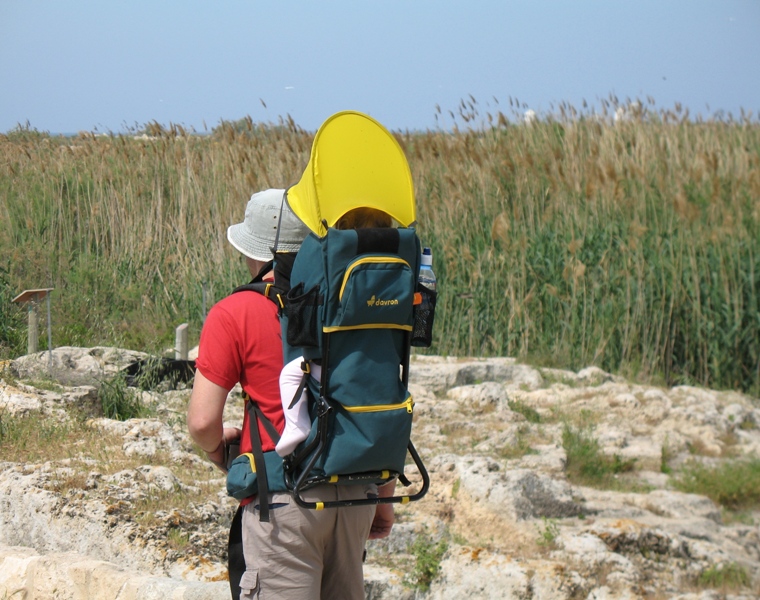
377, 292
366, 438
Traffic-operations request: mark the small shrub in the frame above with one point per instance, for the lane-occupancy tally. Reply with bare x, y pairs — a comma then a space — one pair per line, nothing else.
118, 401
734, 484
149, 375
548, 532
586, 463
428, 555
153, 373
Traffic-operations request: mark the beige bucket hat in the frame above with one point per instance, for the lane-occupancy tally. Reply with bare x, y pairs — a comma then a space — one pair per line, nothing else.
255, 237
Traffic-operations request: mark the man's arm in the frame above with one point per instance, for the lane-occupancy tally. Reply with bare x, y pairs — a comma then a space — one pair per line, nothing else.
384, 515
204, 419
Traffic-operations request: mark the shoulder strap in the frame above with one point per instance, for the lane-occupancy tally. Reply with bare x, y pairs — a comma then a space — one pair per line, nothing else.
277, 289
256, 415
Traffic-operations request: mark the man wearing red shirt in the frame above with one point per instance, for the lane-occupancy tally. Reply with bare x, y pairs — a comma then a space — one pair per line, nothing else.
299, 553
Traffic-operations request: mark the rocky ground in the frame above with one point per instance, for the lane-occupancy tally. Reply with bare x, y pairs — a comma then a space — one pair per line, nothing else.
127, 509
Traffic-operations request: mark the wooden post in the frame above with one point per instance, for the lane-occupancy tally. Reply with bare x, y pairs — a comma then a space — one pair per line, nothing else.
32, 297
32, 328
180, 342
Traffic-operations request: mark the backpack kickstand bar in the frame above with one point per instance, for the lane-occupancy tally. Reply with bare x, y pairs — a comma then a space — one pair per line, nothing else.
356, 478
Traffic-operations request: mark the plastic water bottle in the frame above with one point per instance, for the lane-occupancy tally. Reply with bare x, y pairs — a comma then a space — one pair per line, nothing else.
424, 313
427, 277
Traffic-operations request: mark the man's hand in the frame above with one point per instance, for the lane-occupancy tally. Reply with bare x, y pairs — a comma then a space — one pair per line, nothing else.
219, 455
384, 515
384, 519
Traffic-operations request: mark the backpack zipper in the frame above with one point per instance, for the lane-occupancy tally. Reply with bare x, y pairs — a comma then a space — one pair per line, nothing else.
408, 404
369, 260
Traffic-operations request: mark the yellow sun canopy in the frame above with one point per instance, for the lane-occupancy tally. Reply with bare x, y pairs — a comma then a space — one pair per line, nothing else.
355, 162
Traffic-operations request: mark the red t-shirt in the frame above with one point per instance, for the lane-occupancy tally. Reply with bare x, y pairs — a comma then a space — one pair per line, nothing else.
241, 342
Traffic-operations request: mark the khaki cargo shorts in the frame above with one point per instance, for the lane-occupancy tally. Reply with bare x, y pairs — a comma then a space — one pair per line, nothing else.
303, 554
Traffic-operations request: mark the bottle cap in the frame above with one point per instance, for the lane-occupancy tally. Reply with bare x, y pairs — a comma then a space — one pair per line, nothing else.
427, 257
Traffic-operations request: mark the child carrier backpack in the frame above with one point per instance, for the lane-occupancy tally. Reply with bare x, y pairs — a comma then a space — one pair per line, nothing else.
352, 307
352, 303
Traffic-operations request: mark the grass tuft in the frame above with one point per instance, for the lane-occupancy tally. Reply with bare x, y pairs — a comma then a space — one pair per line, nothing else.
531, 414
586, 463
119, 401
734, 484
725, 577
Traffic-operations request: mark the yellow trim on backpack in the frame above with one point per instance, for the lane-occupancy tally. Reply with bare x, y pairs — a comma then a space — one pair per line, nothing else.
335, 328
408, 404
369, 260
250, 459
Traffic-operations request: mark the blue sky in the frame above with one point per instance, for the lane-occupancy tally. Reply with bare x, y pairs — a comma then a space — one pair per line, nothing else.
67, 66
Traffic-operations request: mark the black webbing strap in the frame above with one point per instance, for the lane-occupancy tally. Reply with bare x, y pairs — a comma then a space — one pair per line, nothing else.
268, 425
235, 555
256, 415
306, 368
277, 290
382, 240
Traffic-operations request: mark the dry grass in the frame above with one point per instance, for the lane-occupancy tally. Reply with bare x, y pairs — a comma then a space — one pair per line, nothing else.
75, 449
572, 241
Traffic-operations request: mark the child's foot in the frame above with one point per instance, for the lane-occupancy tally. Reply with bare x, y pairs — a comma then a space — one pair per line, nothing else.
291, 437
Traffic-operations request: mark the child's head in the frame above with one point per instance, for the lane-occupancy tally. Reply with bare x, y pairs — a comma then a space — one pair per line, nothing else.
362, 218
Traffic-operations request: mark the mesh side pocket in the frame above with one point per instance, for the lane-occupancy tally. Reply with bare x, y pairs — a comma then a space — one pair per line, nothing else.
424, 315
301, 309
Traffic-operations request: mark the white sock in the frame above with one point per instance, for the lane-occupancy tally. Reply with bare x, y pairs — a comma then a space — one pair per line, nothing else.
297, 426
297, 421
293, 435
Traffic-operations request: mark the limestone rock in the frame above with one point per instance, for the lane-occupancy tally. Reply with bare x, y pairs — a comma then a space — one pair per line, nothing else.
132, 511
75, 366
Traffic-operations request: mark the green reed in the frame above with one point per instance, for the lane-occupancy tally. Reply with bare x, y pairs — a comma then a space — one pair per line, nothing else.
572, 241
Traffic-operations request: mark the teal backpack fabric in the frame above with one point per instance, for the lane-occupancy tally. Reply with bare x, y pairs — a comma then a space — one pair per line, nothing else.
243, 477
351, 306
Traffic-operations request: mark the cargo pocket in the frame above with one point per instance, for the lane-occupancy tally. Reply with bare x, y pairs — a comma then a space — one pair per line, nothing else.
249, 585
